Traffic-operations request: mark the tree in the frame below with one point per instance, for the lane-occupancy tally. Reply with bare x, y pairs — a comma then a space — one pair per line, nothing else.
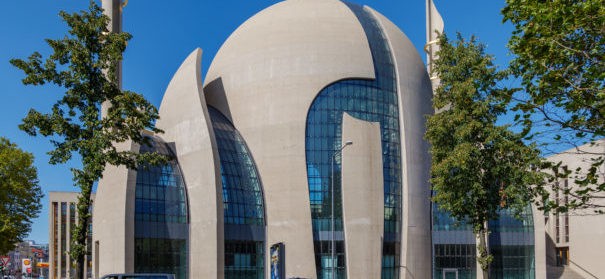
559, 46
478, 168
84, 64
20, 194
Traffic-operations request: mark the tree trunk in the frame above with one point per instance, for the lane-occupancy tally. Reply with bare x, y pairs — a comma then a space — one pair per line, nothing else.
80, 233
484, 257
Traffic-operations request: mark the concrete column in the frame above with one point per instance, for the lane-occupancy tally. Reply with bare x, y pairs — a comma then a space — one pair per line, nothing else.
362, 198
113, 9
113, 217
539, 242
51, 221
188, 129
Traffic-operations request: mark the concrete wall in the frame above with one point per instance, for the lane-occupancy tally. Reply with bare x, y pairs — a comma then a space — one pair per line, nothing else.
61, 197
188, 130
362, 198
113, 221
586, 228
540, 243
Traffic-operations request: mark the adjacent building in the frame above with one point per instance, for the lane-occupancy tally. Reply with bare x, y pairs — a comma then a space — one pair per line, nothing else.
576, 239
263, 157
62, 218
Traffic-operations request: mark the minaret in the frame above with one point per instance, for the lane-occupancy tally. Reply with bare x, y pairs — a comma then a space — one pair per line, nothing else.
434, 27
113, 9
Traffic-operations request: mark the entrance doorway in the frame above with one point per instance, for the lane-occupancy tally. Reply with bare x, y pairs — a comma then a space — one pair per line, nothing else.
450, 273
562, 256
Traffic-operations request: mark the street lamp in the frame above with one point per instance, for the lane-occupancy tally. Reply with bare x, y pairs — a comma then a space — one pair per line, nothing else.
333, 244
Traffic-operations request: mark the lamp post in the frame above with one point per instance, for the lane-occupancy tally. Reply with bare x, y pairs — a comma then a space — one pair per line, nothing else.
333, 244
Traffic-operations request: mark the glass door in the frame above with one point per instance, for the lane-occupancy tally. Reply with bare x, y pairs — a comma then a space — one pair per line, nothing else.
450, 273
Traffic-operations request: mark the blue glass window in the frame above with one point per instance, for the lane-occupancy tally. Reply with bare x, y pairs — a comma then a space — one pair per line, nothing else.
454, 249
161, 225
244, 213
369, 100
511, 243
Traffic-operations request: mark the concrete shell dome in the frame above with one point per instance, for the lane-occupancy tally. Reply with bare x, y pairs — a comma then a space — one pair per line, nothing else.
295, 42
292, 45
294, 82
265, 78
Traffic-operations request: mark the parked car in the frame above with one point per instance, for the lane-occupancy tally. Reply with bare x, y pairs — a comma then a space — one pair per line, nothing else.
139, 276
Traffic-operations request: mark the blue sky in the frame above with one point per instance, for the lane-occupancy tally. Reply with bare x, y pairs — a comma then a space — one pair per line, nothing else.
165, 32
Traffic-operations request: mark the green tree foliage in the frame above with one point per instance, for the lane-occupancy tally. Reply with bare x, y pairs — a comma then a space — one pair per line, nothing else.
478, 168
20, 194
84, 64
559, 46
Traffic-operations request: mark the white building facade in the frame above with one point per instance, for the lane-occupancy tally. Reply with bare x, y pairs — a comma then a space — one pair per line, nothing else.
62, 219
576, 239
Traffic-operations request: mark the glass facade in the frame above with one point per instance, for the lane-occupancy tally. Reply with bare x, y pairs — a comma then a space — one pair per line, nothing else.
454, 249
369, 100
244, 213
511, 243
161, 224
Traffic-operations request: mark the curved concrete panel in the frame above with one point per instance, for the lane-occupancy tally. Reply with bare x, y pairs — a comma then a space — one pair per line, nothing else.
279, 60
362, 197
187, 126
287, 53
415, 97
540, 245
113, 221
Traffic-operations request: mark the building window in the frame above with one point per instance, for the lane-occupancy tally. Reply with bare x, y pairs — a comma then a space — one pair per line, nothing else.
243, 202
55, 244
557, 215
161, 224
566, 215
72, 223
89, 251
369, 100
512, 244
244, 259
454, 248
63, 244
459, 257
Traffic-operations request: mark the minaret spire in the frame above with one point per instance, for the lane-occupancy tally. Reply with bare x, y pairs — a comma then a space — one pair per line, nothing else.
113, 9
434, 26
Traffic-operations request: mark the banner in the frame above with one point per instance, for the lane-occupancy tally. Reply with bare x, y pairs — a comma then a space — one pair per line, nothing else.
277, 261
43, 265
